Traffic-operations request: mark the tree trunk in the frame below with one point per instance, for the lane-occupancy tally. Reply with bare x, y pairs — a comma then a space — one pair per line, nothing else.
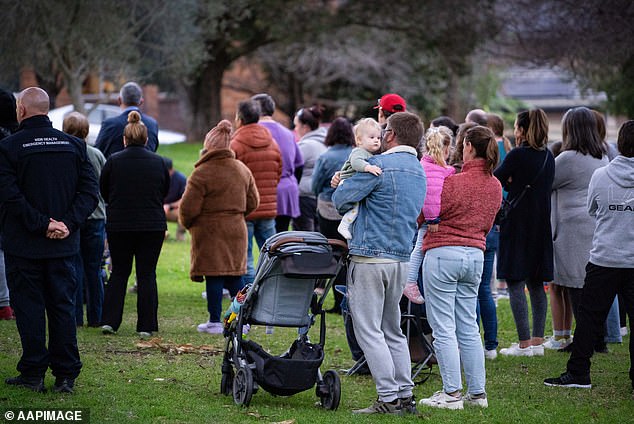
452, 97
74, 84
204, 100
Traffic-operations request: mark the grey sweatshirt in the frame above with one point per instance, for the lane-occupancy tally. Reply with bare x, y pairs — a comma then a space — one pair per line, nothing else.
312, 146
611, 202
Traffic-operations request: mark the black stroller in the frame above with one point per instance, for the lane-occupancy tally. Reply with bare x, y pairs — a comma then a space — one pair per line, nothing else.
291, 265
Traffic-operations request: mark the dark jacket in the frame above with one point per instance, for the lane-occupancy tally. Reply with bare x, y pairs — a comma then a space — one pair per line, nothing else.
110, 137
526, 244
133, 184
44, 173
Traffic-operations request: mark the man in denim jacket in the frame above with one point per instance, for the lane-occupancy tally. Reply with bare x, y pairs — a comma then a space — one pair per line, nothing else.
379, 250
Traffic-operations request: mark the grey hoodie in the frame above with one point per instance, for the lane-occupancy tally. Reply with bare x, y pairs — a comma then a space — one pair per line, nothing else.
611, 202
312, 146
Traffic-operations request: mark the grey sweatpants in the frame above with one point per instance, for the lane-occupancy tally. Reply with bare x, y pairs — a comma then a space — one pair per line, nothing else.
374, 292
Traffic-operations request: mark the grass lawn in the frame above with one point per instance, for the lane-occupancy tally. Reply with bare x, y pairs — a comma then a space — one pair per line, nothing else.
121, 382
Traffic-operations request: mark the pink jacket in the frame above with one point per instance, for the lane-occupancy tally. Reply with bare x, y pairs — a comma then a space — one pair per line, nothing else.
436, 175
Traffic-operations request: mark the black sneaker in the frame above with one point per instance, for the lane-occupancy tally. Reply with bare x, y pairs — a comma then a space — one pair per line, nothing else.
32, 383
64, 385
568, 380
408, 405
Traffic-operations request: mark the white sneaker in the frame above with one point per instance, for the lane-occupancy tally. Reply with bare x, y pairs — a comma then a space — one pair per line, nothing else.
538, 350
107, 329
516, 350
480, 400
210, 327
490, 354
555, 344
442, 400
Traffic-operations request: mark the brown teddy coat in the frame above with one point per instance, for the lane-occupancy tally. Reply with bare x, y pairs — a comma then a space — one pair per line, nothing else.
220, 192
253, 144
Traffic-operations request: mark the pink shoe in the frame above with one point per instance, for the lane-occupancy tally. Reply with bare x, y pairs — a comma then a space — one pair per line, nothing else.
6, 313
413, 294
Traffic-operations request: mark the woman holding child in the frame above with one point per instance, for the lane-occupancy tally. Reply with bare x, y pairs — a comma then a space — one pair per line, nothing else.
452, 269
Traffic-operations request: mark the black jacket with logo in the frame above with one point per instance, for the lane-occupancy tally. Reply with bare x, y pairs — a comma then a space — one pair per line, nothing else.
44, 173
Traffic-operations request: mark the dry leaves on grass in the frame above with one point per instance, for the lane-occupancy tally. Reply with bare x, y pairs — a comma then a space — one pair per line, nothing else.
177, 349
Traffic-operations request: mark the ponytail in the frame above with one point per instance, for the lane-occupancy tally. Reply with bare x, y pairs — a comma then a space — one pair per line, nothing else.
483, 142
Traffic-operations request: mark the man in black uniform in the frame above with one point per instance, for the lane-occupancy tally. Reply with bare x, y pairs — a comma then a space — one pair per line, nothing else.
47, 190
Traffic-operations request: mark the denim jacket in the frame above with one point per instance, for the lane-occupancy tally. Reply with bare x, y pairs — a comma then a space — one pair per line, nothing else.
388, 205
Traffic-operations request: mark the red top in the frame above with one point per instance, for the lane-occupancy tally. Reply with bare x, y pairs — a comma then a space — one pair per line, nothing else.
469, 202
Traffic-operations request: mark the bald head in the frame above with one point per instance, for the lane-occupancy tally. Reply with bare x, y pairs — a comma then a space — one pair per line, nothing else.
32, 101
477, 116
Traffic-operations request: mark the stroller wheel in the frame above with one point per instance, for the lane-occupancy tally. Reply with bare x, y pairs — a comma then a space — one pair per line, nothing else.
243, 386
226, 380
331, 390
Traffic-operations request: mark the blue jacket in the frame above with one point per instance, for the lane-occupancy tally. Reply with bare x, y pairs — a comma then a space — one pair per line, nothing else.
44, 173
388, 205
328, 163
110, 137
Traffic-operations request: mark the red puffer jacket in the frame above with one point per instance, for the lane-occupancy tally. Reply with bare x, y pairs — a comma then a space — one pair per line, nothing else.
255, 147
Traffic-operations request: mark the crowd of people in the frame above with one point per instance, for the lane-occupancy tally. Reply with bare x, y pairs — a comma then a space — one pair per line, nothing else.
418, 209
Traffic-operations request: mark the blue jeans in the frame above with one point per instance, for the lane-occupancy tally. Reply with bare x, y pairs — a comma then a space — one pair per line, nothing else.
451, 276
214, 287
261, 229
486, 306
613, 324
89, 279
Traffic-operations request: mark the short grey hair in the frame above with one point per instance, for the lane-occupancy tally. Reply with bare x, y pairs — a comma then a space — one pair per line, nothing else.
131, 94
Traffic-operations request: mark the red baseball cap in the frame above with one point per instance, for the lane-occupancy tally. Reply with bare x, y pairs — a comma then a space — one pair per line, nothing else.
392, 103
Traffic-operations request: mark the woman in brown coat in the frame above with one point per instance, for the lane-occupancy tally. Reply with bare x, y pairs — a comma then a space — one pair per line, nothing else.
220, 192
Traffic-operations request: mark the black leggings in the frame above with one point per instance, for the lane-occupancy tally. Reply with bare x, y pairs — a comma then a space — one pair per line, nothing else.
519, 307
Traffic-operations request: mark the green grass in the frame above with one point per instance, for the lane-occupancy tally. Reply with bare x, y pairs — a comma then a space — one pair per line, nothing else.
123, 383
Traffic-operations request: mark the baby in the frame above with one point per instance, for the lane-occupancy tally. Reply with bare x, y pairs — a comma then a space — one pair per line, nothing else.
367, 134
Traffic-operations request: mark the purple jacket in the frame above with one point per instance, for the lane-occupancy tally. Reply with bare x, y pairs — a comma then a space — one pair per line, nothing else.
436, 175
287, 189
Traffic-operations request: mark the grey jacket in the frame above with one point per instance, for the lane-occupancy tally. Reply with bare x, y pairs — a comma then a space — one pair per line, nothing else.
611, 202
572, 226
312, 146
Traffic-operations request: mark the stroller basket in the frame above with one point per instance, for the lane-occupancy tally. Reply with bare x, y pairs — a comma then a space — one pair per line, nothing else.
286, 375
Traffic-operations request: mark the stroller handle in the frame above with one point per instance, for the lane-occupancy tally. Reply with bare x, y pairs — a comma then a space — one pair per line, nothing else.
338, 244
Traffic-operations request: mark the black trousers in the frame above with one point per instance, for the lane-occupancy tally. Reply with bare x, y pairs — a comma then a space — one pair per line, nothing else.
307, 221
41, 290
329, 229
601, 285
144, 247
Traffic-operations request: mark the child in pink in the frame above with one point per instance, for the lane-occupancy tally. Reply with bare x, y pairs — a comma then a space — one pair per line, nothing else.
437, 144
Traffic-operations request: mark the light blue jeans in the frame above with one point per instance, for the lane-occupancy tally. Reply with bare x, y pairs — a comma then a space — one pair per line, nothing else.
451, 276
612, 324
261, 229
